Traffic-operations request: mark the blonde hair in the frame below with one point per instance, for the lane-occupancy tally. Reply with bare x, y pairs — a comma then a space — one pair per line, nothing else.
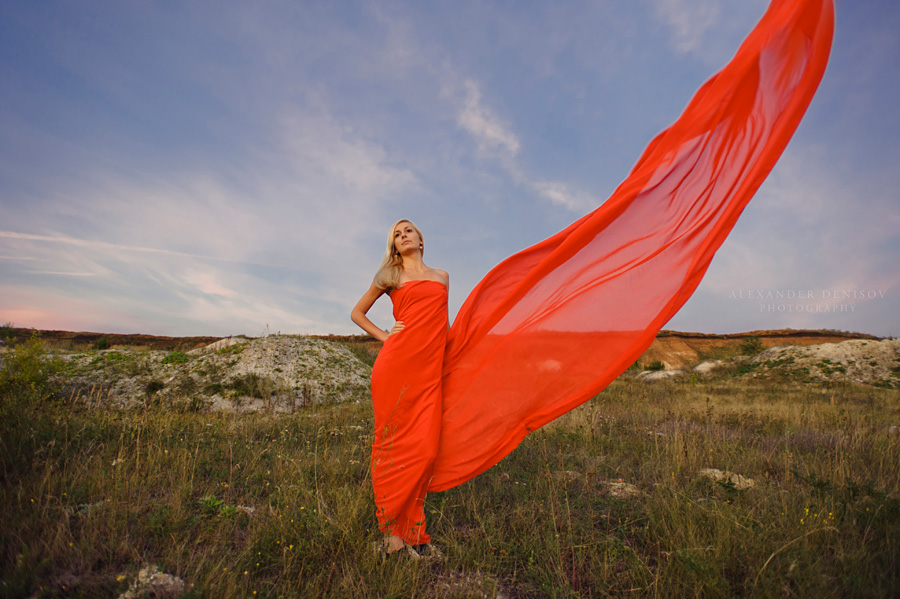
388, 274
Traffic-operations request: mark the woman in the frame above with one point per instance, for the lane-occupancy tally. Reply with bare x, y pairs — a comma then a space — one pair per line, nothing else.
406, 385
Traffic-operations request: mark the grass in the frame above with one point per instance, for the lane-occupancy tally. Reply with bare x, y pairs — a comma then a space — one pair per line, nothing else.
265, 505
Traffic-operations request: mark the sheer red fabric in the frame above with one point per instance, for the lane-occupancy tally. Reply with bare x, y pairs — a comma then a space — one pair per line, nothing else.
551, 326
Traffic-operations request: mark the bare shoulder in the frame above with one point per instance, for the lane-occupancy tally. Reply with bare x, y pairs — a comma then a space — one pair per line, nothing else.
374, 292
443, 275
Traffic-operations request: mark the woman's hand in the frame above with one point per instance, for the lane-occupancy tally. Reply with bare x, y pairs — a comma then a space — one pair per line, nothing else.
398, 326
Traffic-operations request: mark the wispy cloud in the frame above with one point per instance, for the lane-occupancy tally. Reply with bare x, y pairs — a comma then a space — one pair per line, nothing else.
483, 125
689, 21
496, 140
87, 243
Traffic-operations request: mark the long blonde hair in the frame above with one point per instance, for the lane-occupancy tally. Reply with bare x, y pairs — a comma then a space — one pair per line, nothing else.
388, 274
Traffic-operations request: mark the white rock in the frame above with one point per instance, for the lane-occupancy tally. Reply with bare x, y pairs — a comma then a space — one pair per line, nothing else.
659, 375
740, 482
151, 583
707, 367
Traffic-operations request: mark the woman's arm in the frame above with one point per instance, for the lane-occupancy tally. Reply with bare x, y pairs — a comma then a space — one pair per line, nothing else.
358, 314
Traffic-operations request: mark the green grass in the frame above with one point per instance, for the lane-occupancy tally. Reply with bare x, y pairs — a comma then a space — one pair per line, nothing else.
281, 505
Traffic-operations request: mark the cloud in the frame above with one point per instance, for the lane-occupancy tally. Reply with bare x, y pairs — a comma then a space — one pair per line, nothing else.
279, 236
560, 194
689, 21
496, 140
483, 125
98, 245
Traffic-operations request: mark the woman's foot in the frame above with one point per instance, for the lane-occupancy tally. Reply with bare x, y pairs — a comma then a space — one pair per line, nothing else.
388, 546
393, 544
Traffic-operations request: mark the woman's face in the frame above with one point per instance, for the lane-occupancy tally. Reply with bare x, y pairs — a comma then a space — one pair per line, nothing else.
405, 238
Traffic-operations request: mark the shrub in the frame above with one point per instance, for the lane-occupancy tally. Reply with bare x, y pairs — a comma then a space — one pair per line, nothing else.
27, 372
153, 387
655, 365
751, 346
252, 385
102, 342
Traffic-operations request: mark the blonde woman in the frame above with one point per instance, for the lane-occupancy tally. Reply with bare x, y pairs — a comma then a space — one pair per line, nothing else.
406, 386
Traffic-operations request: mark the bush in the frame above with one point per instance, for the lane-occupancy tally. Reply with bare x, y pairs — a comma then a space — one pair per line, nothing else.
252, 385
751, 346
655, 365
102, 342
26, 372
7, 332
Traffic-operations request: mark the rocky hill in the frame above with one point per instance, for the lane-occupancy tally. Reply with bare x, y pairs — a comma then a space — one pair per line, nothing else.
280, 372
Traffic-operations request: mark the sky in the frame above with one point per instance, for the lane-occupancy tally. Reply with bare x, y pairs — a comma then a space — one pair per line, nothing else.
220, 168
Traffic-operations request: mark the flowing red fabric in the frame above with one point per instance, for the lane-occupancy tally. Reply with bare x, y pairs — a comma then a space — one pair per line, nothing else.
406, 396
551, 326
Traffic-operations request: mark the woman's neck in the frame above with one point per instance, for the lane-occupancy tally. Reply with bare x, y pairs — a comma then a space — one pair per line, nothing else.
414, 263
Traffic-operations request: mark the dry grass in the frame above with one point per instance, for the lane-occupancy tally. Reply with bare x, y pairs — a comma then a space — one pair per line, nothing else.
265, 505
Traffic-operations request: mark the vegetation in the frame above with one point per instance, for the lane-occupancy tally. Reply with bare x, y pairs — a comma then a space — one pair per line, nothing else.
176, 357
266, 505
751, 346
655, 365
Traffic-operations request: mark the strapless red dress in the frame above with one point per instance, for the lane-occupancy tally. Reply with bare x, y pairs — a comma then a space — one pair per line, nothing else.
406, 395
551, 326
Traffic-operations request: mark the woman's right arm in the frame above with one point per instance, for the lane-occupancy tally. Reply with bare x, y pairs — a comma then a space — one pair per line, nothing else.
358, 314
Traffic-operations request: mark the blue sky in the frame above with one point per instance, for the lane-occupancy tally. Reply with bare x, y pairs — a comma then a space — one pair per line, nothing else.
218, 168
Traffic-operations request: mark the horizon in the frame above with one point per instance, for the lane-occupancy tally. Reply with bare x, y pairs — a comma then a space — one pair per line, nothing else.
661, 332
185, 170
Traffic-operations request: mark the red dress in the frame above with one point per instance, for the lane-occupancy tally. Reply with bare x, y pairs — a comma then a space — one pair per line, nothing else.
406, 395
551, 326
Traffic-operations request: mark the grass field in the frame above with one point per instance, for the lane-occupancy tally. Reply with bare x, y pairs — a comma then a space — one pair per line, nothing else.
608, 501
